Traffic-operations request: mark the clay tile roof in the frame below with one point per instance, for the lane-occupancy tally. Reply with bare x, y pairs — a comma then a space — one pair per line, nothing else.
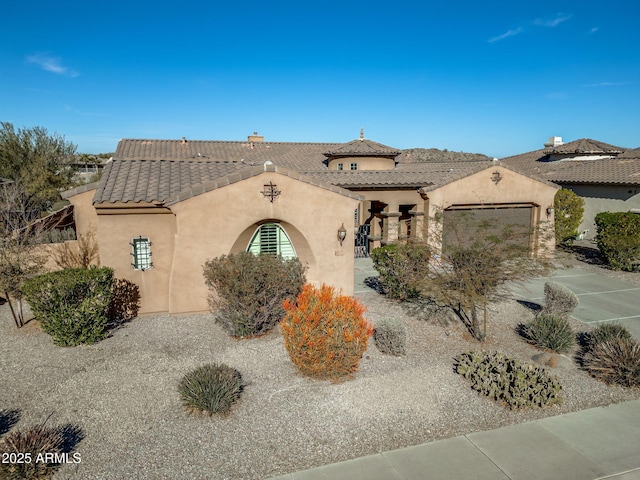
363, 147
622, 169
156, 181
166, 182
168, 171
428, 174
297, 156
614, 171
586, 145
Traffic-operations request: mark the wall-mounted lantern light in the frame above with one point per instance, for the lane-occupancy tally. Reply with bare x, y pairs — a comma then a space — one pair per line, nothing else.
342, 234
549, 211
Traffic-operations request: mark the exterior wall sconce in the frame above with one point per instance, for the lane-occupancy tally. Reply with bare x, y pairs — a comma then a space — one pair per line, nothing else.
342, 234
496, 177
549, 211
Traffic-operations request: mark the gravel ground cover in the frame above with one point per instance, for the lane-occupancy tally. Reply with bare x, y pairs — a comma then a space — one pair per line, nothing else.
122, 392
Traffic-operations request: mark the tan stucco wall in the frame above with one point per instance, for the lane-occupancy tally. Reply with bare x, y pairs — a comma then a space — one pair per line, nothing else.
513, 188
221, 221
604, 198
115, 233
83, 212
364, 163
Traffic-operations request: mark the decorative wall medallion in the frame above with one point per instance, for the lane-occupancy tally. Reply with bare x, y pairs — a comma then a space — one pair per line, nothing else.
271, 191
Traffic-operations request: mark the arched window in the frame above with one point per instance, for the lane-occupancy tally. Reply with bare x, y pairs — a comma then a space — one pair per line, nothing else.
271, 238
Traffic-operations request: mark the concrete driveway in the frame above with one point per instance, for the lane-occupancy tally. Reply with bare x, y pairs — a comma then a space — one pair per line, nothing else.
602, 299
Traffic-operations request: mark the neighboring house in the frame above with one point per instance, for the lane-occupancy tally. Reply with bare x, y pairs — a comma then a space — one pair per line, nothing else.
605, 176
164, 207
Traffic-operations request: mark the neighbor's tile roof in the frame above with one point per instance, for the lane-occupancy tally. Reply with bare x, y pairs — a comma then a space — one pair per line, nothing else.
622, 169
586, 145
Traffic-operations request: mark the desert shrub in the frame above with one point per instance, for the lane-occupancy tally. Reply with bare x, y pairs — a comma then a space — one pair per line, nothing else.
550, 332
38, 439
605, 332
558, 300
210, 389
616, 360
507, 380
618, 239
325, 333
82, 254
72, 305
403, 269
390, 337
569, 210
246, 291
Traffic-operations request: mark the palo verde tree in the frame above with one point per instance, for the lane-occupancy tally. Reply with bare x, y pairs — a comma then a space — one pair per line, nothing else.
479, 259
472, 263
21, 257
39, 161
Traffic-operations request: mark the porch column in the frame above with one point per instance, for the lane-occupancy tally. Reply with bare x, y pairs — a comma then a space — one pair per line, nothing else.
417, 225
391, 228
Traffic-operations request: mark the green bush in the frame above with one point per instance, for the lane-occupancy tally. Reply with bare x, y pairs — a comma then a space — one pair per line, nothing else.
605, 332
210, 389
390, 336
72, 305
325, 333
569, 210
403, 269
33, 441
616, 360
508, 381
618, 239
246, 291
558, 300
550, 332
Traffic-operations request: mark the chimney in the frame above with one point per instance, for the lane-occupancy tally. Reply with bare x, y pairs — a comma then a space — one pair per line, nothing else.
553, 142
255, 138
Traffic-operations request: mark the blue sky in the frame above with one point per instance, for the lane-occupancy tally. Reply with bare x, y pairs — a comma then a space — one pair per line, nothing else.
492, 77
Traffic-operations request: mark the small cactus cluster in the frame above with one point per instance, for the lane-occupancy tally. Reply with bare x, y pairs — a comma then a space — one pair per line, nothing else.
508, 381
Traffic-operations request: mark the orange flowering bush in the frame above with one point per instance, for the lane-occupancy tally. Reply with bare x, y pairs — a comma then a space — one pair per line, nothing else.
325, 332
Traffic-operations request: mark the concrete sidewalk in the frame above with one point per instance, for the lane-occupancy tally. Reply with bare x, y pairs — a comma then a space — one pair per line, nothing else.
598, 443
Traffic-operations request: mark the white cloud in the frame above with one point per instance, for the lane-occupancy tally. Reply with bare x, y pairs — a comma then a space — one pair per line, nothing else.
507, 34
553, 22
51, 64
594, 29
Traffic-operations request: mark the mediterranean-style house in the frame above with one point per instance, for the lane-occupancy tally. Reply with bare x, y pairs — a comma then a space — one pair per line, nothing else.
605, 176
164, 207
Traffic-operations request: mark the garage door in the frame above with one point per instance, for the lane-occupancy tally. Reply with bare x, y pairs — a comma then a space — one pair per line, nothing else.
463, 224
